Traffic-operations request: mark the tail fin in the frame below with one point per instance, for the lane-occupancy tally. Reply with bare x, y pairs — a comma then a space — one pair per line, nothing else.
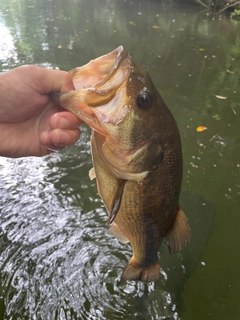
134, 271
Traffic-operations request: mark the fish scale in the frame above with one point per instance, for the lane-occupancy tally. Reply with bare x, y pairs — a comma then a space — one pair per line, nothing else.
137, 157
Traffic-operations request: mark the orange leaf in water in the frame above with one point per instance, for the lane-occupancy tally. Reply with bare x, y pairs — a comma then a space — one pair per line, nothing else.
201, 128
155, 27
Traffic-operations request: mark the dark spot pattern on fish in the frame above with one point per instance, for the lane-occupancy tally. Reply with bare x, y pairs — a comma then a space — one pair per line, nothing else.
136, 140
158, 160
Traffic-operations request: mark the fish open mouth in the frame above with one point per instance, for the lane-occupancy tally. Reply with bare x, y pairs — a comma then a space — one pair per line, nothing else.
100, 72
100, 90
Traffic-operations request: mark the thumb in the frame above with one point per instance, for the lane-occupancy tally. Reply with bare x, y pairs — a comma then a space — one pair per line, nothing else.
54, 80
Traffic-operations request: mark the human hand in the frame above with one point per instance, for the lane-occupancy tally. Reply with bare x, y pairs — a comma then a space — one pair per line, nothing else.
31, 122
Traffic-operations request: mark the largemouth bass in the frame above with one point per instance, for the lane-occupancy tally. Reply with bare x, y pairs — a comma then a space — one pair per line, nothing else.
137, 157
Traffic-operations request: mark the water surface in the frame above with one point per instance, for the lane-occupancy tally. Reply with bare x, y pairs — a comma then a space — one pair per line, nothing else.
56, 261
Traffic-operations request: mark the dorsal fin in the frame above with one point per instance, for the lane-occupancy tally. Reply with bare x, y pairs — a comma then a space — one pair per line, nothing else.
116, 202
179, 234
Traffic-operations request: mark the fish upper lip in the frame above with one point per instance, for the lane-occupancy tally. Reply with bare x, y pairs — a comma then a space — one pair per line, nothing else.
121, 55
103, 98
116, 57
93, 101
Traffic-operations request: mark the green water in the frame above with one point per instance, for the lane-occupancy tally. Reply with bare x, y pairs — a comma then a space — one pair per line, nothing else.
56, 261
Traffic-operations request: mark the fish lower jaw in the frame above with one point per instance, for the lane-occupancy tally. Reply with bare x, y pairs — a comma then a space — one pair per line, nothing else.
137, 272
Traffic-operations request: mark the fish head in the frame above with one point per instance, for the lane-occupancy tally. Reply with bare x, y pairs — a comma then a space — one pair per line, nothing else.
117, 99
98, 98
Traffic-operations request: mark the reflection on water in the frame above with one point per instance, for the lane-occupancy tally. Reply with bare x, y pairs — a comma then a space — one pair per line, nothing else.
7, 48
56, 261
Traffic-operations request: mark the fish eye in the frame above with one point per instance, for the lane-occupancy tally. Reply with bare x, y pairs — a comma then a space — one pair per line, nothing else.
144, 99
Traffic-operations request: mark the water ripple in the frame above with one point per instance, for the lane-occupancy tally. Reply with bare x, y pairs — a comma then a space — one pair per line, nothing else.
56, 261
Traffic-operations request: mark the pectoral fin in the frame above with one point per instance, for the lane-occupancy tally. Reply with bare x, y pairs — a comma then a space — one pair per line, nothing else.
116, 201
110, 188
179, 234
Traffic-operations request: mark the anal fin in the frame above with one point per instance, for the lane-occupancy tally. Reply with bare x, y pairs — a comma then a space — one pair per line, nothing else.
179, 234
115, 231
